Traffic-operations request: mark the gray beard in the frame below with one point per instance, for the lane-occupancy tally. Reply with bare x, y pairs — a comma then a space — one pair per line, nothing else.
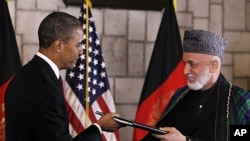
201, 80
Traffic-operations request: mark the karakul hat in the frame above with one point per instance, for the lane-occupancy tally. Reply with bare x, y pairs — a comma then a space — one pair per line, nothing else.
205, 42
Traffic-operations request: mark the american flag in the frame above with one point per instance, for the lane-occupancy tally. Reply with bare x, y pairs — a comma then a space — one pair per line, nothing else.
100, 97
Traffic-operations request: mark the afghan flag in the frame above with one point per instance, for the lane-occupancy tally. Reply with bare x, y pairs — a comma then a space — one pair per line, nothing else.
165, 72
9, 58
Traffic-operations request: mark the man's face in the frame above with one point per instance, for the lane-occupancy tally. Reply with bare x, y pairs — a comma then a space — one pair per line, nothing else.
72, 49
197, 70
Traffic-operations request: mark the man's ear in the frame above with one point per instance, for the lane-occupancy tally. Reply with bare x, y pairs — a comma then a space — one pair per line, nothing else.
57, 45
214, 65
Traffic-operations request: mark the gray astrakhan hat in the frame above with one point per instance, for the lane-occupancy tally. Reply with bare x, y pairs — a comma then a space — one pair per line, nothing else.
205, 42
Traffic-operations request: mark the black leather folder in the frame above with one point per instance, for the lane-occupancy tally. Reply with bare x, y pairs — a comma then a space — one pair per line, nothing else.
151, 129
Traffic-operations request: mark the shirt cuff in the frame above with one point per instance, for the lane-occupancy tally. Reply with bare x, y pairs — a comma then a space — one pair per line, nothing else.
98, 126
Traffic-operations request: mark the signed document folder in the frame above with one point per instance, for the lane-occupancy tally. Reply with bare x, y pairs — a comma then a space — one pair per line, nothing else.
151, 129
126, 122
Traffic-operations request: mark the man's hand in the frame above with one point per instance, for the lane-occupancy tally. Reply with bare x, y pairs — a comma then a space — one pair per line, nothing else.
172, 135
107, 123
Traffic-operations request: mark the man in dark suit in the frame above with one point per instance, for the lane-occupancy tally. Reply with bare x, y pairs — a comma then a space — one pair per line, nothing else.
205, 108
34, 102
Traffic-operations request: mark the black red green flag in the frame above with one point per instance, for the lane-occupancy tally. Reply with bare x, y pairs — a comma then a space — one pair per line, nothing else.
9, 58
165, 72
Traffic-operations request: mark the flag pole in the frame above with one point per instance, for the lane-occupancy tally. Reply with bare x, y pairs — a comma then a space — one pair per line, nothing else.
175, 5
87, 64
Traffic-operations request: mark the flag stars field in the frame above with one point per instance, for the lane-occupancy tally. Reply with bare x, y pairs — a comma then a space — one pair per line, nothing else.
103, 74
80, 76
95, 62
94, 82
103, 65
95, 72
97, 42
82, 56
81, 66
79, 87
101, 84
96, 52
71, 74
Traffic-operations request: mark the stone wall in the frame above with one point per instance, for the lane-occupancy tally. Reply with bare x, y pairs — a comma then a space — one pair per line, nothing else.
127, 38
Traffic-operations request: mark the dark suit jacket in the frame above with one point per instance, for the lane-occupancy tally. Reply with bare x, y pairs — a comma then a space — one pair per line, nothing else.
35, 107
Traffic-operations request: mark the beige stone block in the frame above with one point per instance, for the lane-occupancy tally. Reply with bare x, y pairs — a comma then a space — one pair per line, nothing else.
215, 24
135, 59
98, 19
201, 23
72, 10
29, 51
241, 82
26, 4
181, 5
50, 4
237, 41
111, 85
28, 23
126, 133
127, 111
241, 65
153, 25
227, 71
115, 55
216, 1
115, 22
19, 45
199, 8
185, 19
182, 30
148, 53
227, 59
136, 27
128, 90
234, 14
96, 13
12, 10
248, 17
